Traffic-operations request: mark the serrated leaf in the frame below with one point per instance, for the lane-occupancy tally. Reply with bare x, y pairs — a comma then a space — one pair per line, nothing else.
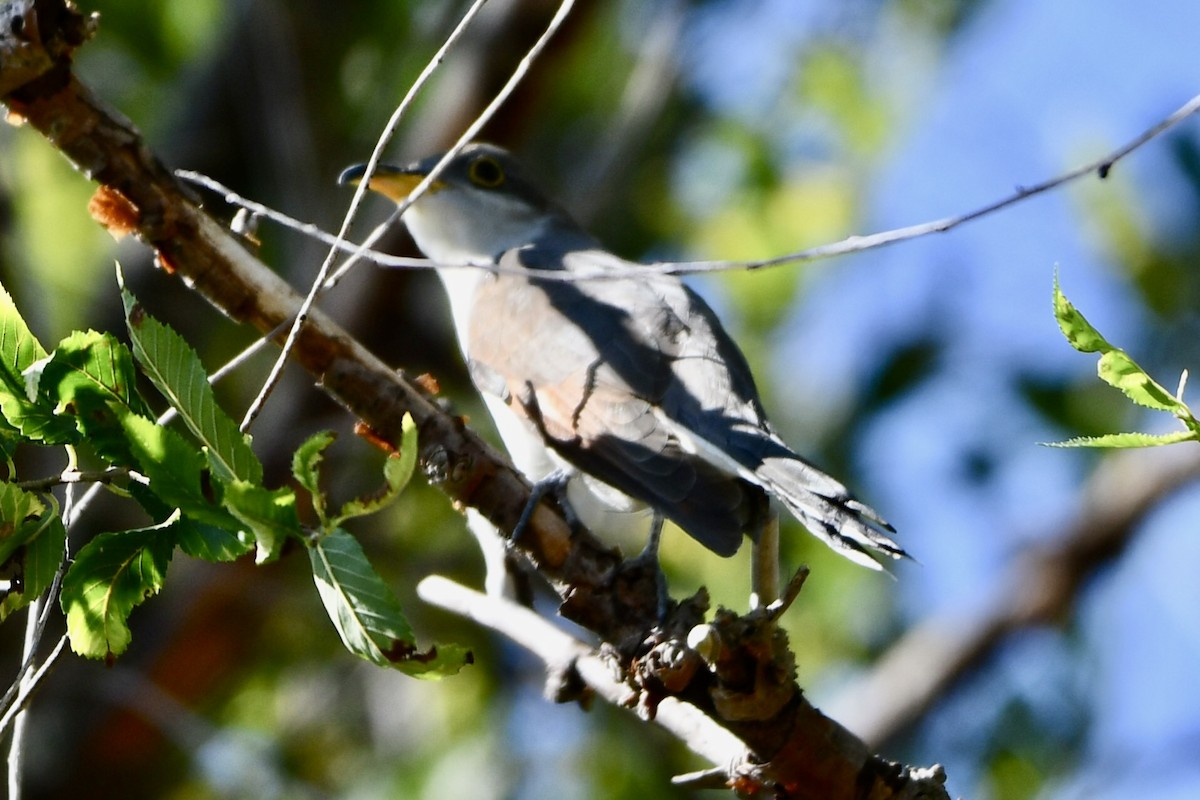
209, 543
270, 514
367, 615
90, 378
195, 538
32, 538
175, 369
1079, 332
397, 471
18, 346
90, 362
177, 470
112, 574
33, 416
36, 420
1128, 440
20, 349
44, 555
1117, 369
306, 467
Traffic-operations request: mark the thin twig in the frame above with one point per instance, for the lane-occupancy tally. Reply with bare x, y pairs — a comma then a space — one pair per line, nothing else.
319, 283
514, 80
855, 244
852, 244
30, 684
70, 476
26, 683
360, 191
304, 228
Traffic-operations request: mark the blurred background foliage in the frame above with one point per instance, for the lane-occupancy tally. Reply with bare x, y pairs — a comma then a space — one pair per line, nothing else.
924, 374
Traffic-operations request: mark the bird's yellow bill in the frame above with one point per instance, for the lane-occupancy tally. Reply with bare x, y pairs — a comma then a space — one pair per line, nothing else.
391, 182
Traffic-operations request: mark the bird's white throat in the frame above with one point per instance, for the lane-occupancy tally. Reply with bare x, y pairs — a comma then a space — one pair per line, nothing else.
460, 284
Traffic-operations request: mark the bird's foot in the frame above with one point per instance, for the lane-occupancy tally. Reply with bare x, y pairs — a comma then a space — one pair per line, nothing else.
648, 560
556, 484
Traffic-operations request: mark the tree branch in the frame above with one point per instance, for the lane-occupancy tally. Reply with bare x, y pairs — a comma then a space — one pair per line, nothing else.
851, 244
738, 764
102, 476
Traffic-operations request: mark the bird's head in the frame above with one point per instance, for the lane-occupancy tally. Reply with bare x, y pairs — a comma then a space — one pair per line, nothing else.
480, 205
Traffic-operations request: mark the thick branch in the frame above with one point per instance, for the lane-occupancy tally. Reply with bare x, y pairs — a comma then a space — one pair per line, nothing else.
847, 769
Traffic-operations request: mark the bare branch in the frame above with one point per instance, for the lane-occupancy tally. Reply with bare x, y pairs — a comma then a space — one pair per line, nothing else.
28, 683
102, 476
853, 244
737, 763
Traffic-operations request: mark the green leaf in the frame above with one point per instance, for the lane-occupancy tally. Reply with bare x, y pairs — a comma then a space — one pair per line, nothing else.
42, 558
32, 538
306, 468
178, 472
20, 515
397, 471
270, 514
90, 378
1128, 440
18, 346
112, 574
90, 362
45, 553
196, 539
35, 419
19, 350
208, 542
175, 369
1117, 369
1079, 332
367, 615
30, 414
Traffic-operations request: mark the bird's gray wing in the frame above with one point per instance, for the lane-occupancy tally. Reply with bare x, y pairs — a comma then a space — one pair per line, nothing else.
704, 392
582, 367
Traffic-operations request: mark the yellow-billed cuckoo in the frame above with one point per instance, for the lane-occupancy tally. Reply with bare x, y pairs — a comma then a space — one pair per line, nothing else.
628, 383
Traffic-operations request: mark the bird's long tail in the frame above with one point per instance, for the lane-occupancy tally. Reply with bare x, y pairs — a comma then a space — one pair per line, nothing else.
829, 511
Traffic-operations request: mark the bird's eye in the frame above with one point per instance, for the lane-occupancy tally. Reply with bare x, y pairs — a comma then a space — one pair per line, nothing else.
486, 172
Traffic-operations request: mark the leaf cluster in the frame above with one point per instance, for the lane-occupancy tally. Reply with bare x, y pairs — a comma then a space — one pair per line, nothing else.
200, 483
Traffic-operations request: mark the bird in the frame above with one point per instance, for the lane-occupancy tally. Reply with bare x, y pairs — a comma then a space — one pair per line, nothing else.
613, 380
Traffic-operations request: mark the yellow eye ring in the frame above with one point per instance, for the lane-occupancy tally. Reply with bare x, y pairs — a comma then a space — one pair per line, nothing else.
486, 172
